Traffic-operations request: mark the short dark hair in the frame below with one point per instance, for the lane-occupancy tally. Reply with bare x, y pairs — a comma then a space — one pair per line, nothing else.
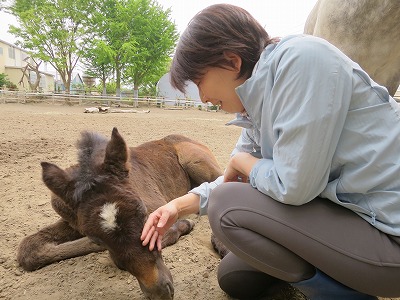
217, 28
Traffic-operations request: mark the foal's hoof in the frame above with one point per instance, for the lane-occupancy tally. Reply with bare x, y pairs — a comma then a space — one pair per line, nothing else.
185, 226
218, 246
181, 227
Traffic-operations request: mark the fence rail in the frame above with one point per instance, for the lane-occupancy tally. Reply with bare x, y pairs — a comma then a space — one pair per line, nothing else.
100, 100
397, 95
96, 100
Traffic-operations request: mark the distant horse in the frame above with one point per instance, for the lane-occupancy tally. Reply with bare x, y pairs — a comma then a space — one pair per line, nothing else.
368, 31
105, 199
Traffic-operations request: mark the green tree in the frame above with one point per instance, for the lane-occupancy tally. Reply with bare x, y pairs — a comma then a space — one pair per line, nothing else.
156, 38
112, 29
139, 36
98, 60
53, 31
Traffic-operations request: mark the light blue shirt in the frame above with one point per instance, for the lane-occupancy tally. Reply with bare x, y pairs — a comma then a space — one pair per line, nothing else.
321, 127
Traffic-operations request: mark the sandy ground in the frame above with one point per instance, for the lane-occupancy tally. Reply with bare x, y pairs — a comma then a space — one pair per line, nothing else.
31, 133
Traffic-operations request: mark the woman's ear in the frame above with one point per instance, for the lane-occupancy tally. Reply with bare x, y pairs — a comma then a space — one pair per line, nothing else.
234, 61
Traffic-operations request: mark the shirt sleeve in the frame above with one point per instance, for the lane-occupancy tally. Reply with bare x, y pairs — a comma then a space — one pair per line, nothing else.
245, 143
307, 106
204, 190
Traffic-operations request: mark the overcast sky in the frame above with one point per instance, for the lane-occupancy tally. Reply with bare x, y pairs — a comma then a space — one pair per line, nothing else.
279, 17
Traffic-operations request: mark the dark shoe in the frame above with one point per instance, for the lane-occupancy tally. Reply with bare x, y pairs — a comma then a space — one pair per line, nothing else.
323, 287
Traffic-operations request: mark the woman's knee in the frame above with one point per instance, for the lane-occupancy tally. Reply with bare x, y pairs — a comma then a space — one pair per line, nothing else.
220, 200
223, 197
241, 281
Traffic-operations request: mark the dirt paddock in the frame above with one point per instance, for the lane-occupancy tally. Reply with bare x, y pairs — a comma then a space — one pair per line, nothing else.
31, 133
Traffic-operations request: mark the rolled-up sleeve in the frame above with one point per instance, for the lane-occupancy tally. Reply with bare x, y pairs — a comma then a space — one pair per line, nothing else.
245, 143
204, 190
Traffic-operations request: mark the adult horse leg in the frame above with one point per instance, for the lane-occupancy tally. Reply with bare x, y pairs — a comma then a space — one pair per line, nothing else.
53, 243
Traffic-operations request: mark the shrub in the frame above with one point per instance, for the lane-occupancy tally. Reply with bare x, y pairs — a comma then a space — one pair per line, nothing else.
4, 82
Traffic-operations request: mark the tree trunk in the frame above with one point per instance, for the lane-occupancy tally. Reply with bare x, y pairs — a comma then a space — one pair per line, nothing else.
117, 76
135, 94
104, 84
118, 82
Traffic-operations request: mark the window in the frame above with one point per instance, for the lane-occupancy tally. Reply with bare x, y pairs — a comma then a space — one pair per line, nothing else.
11, 52
1, 50
32, 76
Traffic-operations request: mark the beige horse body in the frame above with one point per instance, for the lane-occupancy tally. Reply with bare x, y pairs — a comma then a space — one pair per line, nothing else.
104, 201
368, 31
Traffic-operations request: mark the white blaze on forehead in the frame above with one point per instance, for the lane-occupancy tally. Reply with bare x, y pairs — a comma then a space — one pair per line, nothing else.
108, 215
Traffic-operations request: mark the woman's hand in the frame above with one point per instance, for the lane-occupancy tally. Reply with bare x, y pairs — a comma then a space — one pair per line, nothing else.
239, 167
160, 220
157, 224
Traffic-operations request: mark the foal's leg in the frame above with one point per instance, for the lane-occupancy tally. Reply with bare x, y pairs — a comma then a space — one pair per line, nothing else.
201, 166
198, 161
181, 227
64, 211
53, 243
218, 246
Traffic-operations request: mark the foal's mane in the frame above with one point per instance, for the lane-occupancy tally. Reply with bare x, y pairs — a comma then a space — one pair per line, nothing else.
91, 151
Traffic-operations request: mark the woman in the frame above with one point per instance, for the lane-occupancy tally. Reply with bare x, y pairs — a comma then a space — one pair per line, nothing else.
311, 194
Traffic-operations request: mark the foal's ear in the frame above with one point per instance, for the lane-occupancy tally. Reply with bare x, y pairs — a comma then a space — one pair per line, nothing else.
55, 179
116, 156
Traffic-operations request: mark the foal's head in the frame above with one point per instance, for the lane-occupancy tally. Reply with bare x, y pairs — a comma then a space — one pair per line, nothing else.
108, 209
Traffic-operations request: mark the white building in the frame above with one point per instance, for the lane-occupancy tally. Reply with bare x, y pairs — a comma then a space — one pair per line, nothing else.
164, 89
12, 61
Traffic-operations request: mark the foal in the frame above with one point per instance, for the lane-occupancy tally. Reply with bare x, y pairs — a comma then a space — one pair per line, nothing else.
104, 201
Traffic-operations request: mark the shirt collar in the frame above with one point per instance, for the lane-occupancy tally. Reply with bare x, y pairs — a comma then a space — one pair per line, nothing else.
242, 120
251, 94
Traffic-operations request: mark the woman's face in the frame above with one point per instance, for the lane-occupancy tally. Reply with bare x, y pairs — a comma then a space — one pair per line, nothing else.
217, 86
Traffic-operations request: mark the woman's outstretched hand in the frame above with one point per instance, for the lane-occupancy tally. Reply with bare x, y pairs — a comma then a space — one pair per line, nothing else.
157, 224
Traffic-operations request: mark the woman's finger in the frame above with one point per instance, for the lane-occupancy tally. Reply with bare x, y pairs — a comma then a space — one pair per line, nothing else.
159, 240
162, 221
153, 240
146, 236
147, 226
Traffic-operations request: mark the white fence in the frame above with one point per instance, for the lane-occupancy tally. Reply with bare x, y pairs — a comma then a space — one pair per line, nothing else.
92, 100
397, 95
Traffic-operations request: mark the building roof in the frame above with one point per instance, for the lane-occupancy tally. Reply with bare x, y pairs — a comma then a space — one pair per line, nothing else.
12, 45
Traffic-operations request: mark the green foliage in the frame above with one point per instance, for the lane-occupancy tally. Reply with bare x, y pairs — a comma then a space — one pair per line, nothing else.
135, 38
156, 38
149, 90
110, 88
128, 40
4, 82
3, 79
53, 31
98, 60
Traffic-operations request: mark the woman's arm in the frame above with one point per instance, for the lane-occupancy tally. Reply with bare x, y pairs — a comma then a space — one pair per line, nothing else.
165, 216
239, 167
304, 111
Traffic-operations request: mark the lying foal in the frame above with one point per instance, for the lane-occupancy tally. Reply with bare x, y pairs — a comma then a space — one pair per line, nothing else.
104, 201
